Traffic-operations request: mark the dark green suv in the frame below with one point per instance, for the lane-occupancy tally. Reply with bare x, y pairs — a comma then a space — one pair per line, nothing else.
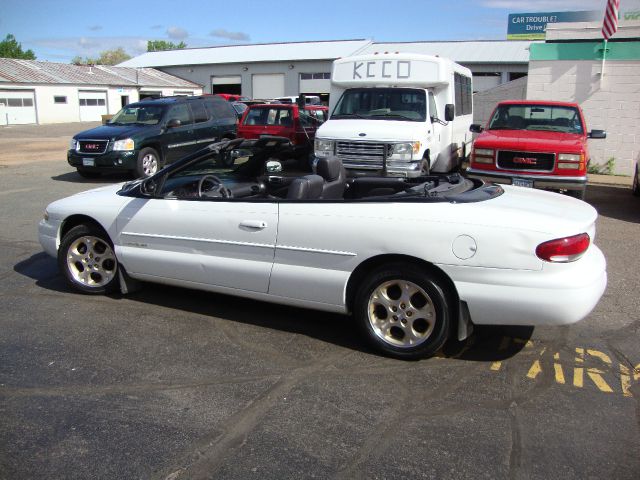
144, 136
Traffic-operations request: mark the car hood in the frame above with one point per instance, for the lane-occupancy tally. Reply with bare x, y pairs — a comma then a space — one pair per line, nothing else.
112, 132
536, 140
374, 130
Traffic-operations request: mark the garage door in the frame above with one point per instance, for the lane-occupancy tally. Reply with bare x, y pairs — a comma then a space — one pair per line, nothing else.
315, 82
19, 107
268, 85
92, 105
227, 84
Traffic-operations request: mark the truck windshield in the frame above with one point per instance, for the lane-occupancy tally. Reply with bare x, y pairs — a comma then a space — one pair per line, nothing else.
405, 104
145, 114
553, 118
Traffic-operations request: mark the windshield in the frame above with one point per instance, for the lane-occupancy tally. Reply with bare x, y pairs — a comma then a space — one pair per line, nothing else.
138, 114
269, 116
406, 104
537, 117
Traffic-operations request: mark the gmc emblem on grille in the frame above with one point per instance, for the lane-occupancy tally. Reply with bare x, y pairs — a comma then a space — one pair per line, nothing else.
92, 146
525, 160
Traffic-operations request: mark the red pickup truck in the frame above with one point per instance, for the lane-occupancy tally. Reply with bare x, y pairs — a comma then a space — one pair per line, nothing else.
536, 144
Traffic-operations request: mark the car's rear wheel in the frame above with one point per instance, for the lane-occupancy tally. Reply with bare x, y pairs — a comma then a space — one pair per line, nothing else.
403, 311
87, 260
148, 162
87, 173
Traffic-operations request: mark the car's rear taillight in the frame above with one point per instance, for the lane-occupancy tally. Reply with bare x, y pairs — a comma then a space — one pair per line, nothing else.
563, 250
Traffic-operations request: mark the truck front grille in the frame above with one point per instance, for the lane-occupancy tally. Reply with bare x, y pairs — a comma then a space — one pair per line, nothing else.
529, 161
93, 146
361, 152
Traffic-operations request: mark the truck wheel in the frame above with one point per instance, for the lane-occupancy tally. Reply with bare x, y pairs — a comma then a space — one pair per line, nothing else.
148, 163
579, 194
425, 166
403, 311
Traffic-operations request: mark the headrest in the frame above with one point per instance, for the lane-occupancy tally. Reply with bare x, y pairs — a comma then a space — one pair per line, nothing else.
308, 187
329, 168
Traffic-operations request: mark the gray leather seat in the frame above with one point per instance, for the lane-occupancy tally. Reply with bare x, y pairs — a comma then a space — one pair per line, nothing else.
334, 175
308, 187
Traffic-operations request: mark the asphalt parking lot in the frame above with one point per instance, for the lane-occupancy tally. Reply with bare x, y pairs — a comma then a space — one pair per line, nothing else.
173, 384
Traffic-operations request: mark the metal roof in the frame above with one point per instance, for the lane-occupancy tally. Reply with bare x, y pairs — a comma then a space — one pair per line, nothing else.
479, 51
267, 52
34, 72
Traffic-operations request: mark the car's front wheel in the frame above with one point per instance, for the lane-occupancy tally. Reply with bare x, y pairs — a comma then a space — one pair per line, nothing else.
87, 260
403, 311
148, 163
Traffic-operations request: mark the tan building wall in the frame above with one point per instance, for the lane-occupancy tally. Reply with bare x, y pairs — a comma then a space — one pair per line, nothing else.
485, 102
611, 103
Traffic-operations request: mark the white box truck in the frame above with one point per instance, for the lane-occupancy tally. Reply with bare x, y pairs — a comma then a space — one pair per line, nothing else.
397, 113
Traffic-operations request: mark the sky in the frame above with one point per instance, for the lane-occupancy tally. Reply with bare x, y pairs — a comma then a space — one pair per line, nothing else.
59, 30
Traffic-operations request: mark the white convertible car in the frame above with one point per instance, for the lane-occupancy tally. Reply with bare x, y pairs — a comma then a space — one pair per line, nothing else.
416, 261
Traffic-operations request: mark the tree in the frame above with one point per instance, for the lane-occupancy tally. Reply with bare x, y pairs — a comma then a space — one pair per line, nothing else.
159, 45
108, 57
10, 48
113, 57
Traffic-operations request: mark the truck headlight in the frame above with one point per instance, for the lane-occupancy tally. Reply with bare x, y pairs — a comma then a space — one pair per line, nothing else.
405, 148
569, 157
73, 144
323, 147
125, 145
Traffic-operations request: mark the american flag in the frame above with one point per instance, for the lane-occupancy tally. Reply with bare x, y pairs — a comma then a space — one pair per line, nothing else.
610, 22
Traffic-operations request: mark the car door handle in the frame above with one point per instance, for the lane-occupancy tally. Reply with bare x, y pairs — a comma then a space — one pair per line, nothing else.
256, 224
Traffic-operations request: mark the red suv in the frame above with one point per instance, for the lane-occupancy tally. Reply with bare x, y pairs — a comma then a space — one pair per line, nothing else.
284, 120
535, 144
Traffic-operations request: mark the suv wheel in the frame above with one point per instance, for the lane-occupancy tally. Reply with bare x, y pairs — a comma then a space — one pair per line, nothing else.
148, 163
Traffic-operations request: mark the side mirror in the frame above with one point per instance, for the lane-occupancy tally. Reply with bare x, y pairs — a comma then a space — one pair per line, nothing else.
449, 112
149, 187
476, 128
173, 123
597, 134
273, 166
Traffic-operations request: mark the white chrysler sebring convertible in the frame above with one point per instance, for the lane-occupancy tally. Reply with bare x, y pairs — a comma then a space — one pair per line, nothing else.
416, 260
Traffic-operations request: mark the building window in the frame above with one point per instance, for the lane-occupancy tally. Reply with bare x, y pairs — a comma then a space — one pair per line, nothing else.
57, 99
315, 76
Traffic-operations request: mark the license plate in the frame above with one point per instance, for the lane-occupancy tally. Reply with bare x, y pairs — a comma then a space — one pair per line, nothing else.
522, 182
88, 162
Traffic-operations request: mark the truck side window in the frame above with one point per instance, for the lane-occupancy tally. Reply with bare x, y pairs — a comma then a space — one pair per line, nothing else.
433, 110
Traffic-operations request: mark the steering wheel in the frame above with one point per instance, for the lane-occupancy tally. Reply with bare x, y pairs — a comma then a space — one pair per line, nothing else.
216, 186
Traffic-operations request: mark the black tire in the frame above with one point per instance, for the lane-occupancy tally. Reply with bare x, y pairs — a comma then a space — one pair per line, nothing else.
87, 173
408, 327
87, 260
579, 194
149, 162
636, 183
425, 167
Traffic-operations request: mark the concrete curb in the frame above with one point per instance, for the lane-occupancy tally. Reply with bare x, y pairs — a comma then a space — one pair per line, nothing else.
610, 180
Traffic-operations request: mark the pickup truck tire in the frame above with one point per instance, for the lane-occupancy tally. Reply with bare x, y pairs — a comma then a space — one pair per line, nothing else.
579, 194
148, 163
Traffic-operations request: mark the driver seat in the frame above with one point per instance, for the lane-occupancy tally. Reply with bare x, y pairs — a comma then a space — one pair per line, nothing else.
308, 187
334, 175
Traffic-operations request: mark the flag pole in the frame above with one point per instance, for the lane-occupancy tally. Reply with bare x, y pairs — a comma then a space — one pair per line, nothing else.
604, 56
